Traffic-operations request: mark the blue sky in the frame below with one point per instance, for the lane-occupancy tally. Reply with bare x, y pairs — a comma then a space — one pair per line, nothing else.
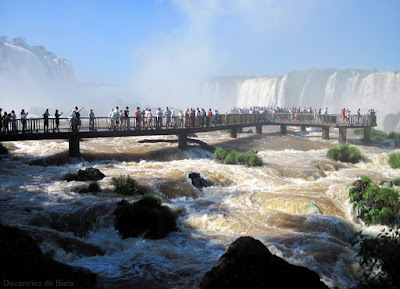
180, 41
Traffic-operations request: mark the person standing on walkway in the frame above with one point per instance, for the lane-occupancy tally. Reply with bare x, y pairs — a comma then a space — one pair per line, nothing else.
78, 118
46, 116
57, 116
167, 114
24, 116
159, 114
91, 120
127, 122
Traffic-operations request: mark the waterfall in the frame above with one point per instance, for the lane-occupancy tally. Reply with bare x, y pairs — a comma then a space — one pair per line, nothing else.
332, 88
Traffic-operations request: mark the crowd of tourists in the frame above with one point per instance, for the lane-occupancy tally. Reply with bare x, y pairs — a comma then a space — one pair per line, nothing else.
120, 119
145, 118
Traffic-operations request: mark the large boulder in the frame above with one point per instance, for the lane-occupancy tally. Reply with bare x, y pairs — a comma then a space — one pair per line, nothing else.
198, 181
3, 150
24, 265
145, 218
90, 174
248, 264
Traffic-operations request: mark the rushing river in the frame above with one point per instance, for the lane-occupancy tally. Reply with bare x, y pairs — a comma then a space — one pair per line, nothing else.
297, 204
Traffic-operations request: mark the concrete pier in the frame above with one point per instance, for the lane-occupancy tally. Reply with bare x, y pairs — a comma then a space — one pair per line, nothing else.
182, 141
74, 150
325, 133
259, 128
283, 129
342, 134
233, 132
367, 135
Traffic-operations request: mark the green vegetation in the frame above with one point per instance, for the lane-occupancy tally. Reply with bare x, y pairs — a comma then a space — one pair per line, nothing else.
345, 153
396, 137
396, 182
379, 135
234, 157
376, 135
380, 260
373, 204
125, 185
394, 160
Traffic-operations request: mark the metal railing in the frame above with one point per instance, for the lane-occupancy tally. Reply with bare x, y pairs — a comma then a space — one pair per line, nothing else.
39, 125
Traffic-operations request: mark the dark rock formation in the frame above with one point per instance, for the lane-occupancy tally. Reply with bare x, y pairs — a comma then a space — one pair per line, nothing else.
145, 218
90, 174
80, 221
248, 264
199, 182
24, 265
3, 150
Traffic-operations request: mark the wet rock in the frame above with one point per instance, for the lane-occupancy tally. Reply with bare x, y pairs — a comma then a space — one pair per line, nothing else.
145, 218
24, 265
177, 189
3, 150
248, 264
79, 222
198, 181
64, 242
385, 183
90, 174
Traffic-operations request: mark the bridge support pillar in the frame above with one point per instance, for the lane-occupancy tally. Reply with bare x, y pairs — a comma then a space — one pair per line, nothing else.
303, 128
74, 150
233, 132
367, 135
259, 128
283, 129
325, 132
182, 141
342, 134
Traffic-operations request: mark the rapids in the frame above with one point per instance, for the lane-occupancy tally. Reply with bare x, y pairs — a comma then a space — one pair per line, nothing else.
297, 204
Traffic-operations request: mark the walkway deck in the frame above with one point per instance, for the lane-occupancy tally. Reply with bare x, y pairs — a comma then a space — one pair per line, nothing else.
100, 127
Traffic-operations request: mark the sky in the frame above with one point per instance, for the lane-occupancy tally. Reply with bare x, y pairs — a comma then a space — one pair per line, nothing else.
166, 46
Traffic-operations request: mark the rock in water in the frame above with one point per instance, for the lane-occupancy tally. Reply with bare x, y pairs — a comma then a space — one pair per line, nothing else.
3, 150
24, 265
90, 174
145, 218
248, 264
199, 182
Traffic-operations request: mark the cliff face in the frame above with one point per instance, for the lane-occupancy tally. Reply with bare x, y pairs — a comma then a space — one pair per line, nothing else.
17, 61
31, 75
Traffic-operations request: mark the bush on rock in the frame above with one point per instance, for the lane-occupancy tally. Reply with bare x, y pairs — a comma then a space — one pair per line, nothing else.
125, 185
374, 204
146, 218
345, 153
